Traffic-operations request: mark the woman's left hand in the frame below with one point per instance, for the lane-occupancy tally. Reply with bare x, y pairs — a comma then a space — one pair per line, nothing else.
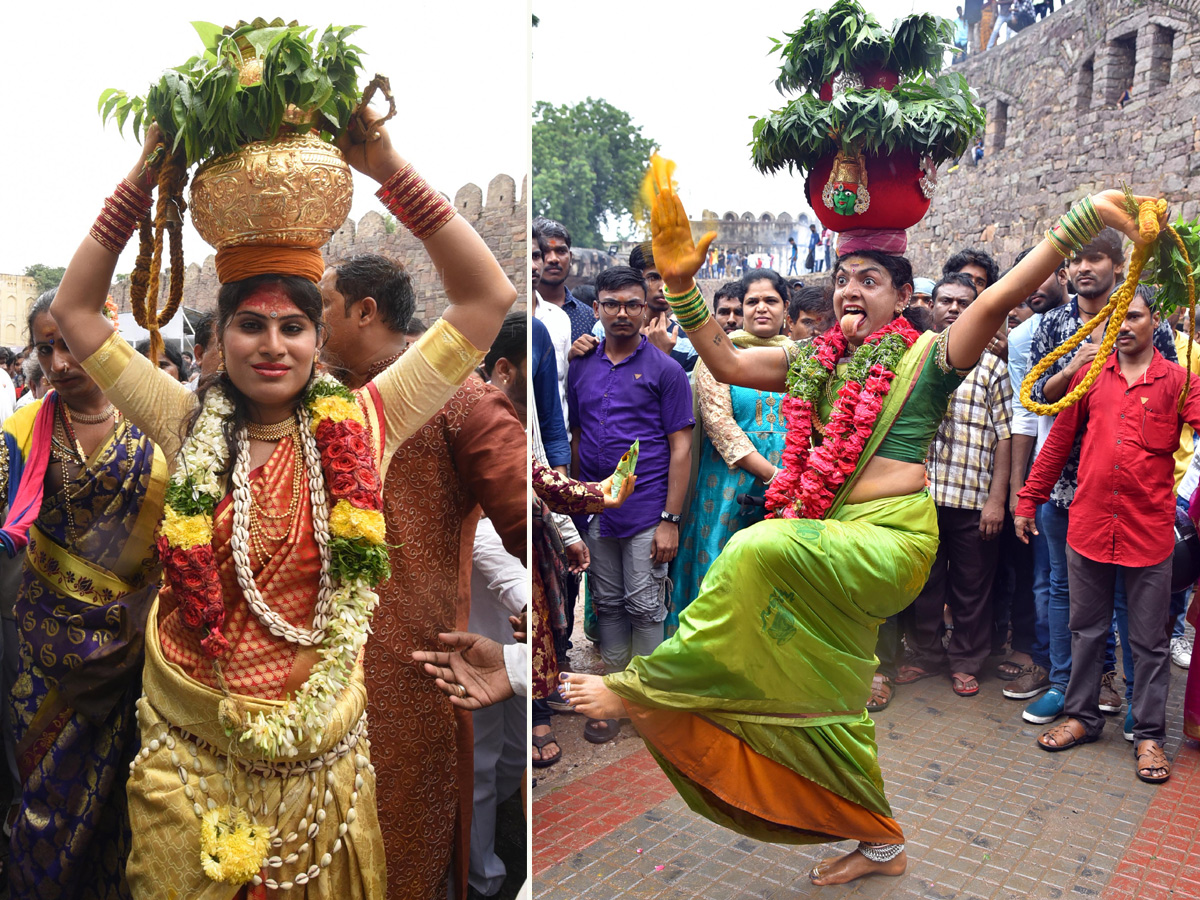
375, 157
1111, 207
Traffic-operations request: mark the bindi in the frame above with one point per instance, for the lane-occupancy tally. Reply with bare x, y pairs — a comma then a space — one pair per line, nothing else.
271, 302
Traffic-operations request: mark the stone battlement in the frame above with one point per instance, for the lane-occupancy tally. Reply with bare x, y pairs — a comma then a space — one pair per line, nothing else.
1055, 132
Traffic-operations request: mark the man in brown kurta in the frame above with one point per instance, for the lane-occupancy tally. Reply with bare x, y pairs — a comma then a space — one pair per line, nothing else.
468, 458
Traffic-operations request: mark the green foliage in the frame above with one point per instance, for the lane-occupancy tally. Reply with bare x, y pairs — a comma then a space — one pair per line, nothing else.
45, 276
1167, 270
351, 559
845, 38
187, 501
328, 387
202, 108
588, 163
937, 117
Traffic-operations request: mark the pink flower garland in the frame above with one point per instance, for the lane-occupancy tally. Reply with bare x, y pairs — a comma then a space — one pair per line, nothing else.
809, 477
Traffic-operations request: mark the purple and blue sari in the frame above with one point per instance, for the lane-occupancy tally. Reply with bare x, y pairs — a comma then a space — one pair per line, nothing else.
89, 578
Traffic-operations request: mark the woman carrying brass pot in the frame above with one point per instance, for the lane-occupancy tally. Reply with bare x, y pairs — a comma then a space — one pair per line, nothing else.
254, 767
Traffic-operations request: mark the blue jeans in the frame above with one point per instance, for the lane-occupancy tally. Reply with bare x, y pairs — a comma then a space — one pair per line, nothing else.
1039, 650
1001, 19
1052, 523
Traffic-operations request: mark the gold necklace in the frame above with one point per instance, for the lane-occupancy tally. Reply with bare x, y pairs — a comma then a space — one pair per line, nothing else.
259, 533
271, 433
83, 419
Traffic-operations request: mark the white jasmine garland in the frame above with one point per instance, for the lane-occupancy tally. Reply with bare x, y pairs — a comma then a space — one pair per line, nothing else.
304, 719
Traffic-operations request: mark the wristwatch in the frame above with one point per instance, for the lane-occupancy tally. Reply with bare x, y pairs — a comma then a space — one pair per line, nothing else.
668, 517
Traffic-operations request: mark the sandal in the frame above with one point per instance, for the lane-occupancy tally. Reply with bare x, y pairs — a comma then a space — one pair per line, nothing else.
964, 685
881, 693
1009, 670
1151, 758
1065, 735
910, 674
544, 740
601, 731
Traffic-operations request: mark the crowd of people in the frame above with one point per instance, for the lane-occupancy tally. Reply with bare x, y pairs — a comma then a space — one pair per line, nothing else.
1008, 17
1015, 578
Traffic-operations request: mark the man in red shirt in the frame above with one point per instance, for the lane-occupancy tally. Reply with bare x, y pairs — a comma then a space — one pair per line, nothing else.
1122, 520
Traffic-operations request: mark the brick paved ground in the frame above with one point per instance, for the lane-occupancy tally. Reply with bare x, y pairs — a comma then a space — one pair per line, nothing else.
988, 816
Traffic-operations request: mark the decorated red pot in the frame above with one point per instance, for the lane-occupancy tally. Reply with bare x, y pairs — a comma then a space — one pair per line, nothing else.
868, 191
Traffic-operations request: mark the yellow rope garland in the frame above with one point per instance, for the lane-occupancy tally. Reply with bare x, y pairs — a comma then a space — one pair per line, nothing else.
1115, 309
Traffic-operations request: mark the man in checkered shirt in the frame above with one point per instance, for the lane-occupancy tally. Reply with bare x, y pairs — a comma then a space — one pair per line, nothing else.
968, 470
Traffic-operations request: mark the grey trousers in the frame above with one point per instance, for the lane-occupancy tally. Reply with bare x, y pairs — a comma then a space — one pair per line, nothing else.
1149, 595
629, 595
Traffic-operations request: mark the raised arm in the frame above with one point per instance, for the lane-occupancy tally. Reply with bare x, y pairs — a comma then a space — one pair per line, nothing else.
979, 323
78, 307
479, 292
679, 258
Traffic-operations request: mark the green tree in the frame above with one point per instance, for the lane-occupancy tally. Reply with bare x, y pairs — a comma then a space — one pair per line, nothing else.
588, 163
45, 276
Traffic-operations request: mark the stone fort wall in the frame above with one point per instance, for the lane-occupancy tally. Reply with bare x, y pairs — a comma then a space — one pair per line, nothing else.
500, 219
1055, 132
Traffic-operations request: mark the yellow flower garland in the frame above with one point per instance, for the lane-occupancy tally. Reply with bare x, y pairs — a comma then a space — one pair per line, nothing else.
1115, 309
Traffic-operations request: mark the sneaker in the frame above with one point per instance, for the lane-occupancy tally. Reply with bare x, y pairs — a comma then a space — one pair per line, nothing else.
1110, 700
1031, 682
1181, 652
1129, 725
1046, 708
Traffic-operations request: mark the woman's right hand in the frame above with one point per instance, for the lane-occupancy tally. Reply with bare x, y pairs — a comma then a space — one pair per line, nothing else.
143, 175
677, 257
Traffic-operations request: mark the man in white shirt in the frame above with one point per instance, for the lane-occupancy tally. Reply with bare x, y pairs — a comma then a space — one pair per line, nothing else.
557, 322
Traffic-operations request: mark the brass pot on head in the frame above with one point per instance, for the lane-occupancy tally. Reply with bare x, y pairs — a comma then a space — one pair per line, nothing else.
294, 191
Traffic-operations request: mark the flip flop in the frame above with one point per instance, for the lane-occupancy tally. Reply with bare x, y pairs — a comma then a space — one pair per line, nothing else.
1009, 670
543, 740
912, 674
601, 731
962, 683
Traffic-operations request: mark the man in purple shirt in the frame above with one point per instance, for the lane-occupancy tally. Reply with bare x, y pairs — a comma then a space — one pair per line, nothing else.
625, 391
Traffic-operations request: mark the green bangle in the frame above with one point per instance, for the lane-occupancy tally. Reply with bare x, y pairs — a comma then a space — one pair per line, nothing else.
1073, 231
1056, 242
1091, 215
690, 308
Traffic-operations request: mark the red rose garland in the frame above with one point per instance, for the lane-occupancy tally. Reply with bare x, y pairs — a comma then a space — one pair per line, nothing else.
809, 477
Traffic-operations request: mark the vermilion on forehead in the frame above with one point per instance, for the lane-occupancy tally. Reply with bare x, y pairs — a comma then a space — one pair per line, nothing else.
270, 301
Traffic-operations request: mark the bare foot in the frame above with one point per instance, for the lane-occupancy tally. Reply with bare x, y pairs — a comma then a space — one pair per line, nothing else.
854, 865
588, 695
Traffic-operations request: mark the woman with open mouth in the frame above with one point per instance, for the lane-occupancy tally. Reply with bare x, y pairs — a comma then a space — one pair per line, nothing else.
755, 708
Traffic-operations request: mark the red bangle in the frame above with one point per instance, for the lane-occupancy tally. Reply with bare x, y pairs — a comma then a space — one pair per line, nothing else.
119, 217
417, 206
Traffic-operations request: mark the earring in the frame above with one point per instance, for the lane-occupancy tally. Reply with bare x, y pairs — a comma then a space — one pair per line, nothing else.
221, 358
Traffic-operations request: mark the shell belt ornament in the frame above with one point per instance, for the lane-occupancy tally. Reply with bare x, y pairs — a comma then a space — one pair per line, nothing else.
339, 464
234, 847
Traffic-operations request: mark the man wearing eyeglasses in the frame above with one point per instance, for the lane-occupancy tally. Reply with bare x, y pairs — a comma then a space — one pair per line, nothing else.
628, 390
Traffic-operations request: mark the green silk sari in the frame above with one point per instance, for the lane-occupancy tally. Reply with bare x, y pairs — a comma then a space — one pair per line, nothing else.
755, 707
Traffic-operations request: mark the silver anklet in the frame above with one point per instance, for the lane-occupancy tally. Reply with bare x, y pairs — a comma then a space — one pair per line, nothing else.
880, 853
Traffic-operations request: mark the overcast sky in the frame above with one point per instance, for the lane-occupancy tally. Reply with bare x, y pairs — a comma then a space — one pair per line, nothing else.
459, 69
629, 52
